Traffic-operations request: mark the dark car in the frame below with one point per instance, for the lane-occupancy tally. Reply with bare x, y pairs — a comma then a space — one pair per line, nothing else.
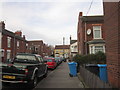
58, 60
26, 68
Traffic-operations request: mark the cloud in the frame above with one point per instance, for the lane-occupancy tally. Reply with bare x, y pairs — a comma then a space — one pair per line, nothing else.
52, 0
47, 21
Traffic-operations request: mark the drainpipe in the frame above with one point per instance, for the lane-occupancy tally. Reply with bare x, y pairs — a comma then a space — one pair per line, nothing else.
85, 40
14, 47
0, 43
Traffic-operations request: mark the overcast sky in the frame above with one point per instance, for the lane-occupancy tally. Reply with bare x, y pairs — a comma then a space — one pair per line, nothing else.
47, 20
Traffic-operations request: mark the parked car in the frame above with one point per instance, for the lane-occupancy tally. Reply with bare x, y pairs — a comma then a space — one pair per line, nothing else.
58, 60
25, 68
51, 63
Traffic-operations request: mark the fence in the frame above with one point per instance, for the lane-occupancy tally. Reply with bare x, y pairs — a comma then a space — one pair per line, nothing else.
92, 80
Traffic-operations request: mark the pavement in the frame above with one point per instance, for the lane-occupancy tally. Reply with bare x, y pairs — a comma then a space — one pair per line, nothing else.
59, 78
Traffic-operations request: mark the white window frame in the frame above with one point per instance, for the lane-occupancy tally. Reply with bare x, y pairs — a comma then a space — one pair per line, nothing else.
96, 30
8, 54
2, 52
18, 44
8, 42
93, 45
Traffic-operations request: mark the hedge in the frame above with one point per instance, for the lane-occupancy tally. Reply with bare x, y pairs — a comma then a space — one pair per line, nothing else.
98, 58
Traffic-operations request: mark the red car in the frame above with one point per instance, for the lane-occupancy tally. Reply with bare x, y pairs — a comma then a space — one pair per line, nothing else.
51, 63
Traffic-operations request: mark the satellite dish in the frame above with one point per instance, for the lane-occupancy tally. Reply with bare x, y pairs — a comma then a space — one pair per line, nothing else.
88, 31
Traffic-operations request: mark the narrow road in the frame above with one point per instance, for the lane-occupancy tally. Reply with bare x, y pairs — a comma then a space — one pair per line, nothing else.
59, 78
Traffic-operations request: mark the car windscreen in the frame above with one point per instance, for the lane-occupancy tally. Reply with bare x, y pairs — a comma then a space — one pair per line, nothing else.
49, 60
25, 58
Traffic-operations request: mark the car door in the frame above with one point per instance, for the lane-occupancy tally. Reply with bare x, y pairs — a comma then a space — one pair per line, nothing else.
43, 65
40, 70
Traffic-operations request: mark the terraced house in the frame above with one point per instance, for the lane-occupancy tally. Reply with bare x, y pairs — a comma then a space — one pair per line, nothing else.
90, 34
62, 51
11, 43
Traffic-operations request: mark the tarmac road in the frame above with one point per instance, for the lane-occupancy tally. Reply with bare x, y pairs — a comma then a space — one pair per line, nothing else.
59, 78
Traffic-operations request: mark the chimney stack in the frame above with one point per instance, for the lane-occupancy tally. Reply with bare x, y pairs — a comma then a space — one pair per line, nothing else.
19, 33
2, 25
24, 37
81, 14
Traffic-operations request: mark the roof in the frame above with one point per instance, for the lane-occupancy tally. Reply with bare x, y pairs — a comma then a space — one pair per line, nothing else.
11, 34
73, 41
92, 18
62, 47
36, 41
96, 41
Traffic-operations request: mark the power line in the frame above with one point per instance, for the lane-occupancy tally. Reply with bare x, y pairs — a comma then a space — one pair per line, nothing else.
89, 7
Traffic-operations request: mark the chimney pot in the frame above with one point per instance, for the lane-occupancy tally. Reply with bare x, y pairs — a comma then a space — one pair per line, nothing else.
19, 33
2, 25
23, 36
81, 13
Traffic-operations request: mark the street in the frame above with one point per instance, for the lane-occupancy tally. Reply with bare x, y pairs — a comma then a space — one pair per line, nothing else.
58, 78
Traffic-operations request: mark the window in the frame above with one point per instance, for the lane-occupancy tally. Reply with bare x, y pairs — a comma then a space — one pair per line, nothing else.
26, 57
91, 49
2, 53
96, 48
99, 48
97, 32
18, 44
36, 48
9, 42
8, 54
26, 45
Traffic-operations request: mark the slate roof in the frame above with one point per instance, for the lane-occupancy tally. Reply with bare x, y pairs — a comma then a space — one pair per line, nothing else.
72, 41
96, 41
62, 47
92, 18
11, 34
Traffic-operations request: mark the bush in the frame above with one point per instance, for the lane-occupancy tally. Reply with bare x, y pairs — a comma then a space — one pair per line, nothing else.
98, 58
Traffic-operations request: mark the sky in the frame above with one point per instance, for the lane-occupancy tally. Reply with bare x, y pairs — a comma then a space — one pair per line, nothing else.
47, 20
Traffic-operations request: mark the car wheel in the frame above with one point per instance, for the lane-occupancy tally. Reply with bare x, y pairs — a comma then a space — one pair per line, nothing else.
45, 75
34, 82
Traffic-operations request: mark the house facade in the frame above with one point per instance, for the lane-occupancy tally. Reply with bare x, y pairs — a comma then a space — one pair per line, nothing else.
38, 47
90, 34
112, 27
73, 47
11, 43
62, 51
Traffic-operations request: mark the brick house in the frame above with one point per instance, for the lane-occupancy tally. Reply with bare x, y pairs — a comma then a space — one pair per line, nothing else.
112, 27
35, 47
62, 51
38, 47
73, 47
90, 34
11, 43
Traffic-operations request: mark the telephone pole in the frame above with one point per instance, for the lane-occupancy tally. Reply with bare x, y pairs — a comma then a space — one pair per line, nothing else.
63, 47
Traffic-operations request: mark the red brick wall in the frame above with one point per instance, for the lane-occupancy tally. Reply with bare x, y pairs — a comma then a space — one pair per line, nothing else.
12, 48
112, 27
81, 35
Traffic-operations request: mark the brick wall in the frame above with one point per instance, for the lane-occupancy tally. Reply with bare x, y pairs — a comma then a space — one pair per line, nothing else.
82, 47
112, 27
13, 43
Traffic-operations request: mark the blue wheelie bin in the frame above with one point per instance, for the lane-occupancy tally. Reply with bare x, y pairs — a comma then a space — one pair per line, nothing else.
72, 68
103, 72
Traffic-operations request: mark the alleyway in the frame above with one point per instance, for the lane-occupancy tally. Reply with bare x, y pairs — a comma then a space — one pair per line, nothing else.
59, 78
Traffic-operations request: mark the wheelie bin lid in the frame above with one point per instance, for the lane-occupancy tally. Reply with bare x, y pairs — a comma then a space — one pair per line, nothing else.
102, 65
72, 63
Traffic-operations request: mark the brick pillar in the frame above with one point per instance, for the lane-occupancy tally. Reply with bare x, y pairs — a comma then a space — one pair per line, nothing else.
112, 27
